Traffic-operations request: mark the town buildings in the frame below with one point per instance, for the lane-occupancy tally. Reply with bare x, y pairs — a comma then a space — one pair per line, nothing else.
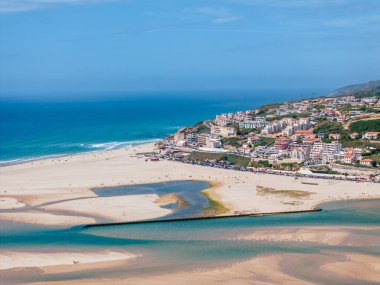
290, 131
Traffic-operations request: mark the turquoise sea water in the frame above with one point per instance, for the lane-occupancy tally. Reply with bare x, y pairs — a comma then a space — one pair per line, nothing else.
34, 129
179, 246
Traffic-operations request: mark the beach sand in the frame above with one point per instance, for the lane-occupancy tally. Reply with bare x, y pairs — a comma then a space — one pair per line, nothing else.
282, 269
118, 209
47, 219
261, 271
357, 267
64, 183
68, 261
331, 235
10, 203
57, 192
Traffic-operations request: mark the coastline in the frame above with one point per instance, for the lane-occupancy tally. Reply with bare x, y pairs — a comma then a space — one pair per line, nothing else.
18, 161
56, 184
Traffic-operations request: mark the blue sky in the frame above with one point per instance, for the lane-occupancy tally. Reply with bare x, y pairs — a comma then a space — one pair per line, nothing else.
63, 46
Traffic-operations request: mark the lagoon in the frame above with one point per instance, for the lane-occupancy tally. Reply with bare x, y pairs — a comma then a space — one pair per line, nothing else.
190, 245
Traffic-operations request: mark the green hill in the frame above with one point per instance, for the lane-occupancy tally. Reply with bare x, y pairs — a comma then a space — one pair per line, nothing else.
369, 89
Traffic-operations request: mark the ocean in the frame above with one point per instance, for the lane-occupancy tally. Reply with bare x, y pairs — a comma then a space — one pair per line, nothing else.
33, 129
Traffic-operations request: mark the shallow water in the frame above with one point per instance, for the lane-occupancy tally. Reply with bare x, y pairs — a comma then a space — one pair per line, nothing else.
189, 191
187, 245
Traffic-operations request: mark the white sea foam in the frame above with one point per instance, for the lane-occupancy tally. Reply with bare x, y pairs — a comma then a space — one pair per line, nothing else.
117, 145
86, 148
26, 159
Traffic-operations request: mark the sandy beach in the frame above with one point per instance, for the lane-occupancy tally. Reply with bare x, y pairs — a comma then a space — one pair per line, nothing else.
57, 192
59, 188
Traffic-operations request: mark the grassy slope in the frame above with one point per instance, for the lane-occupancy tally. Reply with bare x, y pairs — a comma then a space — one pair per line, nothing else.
239, 161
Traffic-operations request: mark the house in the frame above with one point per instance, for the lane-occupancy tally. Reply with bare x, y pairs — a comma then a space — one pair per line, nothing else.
334, 136
349, 158
245, 149
253, 139
282, 143
221, 120
370, 135
213, 142
311, 140
341, 119
354, 135
355, 112
322, 135
366, 162
349, 150
168, 141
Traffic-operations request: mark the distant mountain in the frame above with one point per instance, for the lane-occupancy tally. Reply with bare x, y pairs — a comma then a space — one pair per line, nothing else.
371, 88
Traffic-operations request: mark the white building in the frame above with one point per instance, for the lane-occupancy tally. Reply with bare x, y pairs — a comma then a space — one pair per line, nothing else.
212, 142
366, 162
251, 124
179, 136
325, 151
300, 153
370, 135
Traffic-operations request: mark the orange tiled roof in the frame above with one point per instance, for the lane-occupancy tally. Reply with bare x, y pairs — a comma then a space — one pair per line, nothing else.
348, 156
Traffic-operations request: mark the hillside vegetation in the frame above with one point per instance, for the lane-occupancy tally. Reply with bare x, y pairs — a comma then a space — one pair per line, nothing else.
236, 160
329, 127
364, 126
369, 89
